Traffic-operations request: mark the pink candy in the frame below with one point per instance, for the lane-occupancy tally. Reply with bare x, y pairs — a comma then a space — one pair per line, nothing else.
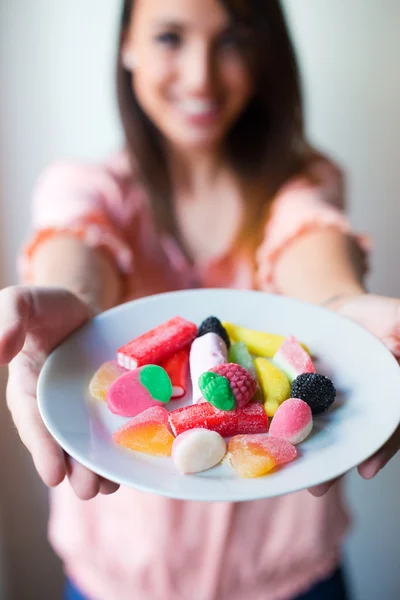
292, 421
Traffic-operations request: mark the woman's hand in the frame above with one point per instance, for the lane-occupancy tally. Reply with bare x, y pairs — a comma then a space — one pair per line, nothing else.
381, 316
33, 321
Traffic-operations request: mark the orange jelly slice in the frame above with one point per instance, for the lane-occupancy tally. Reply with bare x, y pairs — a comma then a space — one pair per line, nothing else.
103, 378
148, 433
256, 455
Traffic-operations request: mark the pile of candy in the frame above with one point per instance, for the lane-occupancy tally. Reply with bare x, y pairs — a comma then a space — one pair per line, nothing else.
240, 379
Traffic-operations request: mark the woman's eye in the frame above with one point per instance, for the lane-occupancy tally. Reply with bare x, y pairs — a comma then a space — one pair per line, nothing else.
169, 39
233, 40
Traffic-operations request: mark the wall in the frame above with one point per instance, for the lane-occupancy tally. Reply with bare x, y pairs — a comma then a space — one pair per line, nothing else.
56, 101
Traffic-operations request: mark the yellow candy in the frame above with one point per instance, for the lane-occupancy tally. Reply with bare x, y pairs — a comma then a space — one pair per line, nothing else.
148, 433
274, 384
249, 460
256, 455
103, 378
257, 342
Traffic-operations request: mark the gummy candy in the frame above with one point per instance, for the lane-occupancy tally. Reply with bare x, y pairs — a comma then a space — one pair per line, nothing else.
206, 352
274, 384
247, 419
240, 355
198, 450
217, 391
257, 342
158, 344
104, 377
177, 367
292, 359
137, 390
315, 389
214, 325
256, 455
243, 385
292, 421
148, 433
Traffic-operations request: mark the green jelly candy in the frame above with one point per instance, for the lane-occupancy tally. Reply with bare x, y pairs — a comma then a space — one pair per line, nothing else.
217, 391
155, 379
239, 355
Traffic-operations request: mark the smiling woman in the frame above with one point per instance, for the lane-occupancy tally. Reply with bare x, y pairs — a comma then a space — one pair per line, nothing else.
215, 78
216, 186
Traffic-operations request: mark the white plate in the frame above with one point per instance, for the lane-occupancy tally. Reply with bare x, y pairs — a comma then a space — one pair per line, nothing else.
365, 414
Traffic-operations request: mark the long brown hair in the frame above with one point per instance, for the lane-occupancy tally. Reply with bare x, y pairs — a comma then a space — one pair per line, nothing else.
266, 145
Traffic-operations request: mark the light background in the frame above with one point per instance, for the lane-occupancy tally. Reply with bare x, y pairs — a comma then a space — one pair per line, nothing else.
57, 101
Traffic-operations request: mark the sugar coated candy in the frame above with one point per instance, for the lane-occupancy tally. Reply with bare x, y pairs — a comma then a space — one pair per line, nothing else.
292, 421
137, 390
274, 384
241, 382
240, 355
148, 432
216, 390
292, 359
197, 450
214, 325
177, 368
158, 344
247, 419
206, 352
256, 455
104, 377
257, 342
315, 389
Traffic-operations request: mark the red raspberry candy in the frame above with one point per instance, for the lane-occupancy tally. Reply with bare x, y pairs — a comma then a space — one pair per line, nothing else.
243, 385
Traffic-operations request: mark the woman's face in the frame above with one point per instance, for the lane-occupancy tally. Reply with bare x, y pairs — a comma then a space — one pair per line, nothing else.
189, 73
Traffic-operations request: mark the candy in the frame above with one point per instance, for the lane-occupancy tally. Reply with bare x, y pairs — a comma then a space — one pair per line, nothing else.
177, 368
256, 455
104, 377
240, 355
198, 450
158, 344
214, 325
148, 432
274, 384
242, 384
248, 419
257, 342
292, 359
138, 390
206, 352
315, 389
292, 422
217, 391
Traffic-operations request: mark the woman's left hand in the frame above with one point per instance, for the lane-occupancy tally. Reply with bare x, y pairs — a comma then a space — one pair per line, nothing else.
381, 316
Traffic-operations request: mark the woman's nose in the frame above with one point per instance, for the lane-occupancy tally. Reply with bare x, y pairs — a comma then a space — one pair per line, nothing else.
198, 69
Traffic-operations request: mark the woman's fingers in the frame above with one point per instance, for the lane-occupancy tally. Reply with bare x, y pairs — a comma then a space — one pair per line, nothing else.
108, 487
323, 488
47, 455
369, 468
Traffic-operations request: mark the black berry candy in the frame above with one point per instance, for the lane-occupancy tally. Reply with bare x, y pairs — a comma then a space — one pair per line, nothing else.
315, 389
214, 325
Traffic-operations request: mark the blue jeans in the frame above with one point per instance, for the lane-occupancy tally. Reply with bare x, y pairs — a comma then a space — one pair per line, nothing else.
332, 589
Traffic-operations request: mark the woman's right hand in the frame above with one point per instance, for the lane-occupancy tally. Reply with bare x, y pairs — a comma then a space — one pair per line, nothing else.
33, 321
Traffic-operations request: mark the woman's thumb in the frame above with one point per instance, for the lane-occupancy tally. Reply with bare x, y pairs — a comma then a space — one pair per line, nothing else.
14, 319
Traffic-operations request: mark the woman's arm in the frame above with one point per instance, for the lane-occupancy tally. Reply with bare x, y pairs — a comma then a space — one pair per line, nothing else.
65, 261
320, 266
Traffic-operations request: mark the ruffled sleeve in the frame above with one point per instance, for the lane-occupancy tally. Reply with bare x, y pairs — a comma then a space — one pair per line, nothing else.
80, 200
300, 207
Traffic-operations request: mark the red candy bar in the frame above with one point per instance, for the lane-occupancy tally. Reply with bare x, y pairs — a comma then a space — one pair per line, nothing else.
158, 344
177, 367
251, 418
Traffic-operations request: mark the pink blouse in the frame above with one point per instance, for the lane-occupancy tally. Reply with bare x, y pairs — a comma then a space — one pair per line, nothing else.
136, 546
